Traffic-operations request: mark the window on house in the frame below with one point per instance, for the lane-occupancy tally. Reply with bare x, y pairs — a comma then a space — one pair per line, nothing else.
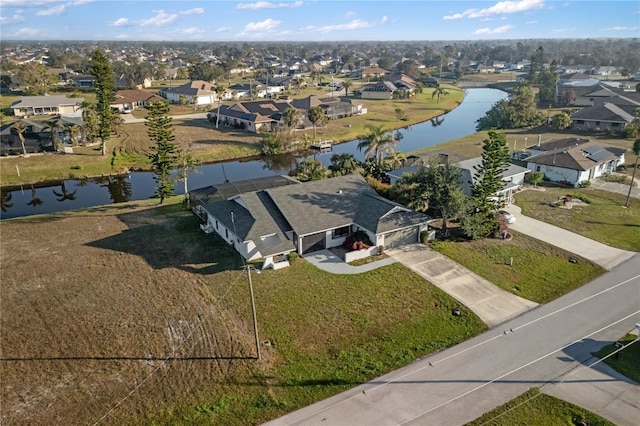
226, 233
580, 121
216, 223
341, 232
597, 123
537, 168
615, 124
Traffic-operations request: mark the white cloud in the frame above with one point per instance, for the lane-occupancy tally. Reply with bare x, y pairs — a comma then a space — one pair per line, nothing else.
12, 19
499, 8
55, 10
267, 5
194, 11
121, 22
28, 32
355, 24
191, 31
161, 19
499, 30
618, 28
222, 29
266, 25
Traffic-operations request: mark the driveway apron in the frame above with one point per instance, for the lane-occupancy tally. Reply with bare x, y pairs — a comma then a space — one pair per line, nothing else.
492, 304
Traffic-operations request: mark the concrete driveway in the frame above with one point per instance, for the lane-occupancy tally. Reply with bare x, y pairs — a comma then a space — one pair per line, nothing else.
492, 304
618, 188
606, 256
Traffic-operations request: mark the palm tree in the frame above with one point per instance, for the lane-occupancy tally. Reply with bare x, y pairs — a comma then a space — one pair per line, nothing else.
35, 201
347, 85
219, 90
319, 79
308, 170
438, 92
6, 201
291, 118
53, 126
315, 115
21, 128
378, 141
299, 81
636, 151
313, 75
74, 132
64, 195
343, 163
395, 159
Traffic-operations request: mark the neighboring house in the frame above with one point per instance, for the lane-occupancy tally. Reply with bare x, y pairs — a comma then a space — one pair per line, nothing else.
373, 73
382, 90
45, 105
37, 135
483, 69
133, 99
243, 90
251, 116
196, 92
333, 107
572, 160
602, 115
513, 177
83, 80
270, 217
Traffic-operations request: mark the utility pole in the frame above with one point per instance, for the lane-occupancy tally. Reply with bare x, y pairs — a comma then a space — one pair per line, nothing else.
253, 310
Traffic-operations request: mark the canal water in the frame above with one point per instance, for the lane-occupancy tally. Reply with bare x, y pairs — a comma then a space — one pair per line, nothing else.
77, 194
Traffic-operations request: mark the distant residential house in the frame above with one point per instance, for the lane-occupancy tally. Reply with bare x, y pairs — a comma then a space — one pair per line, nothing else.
603, 115
45, 105
133, 99
269, 218
83, 80
572, 160
382, 90
333, 107
38, 137
513, 177
374, 73
252, 116
243, 90
606, 70
196, 92
483, 69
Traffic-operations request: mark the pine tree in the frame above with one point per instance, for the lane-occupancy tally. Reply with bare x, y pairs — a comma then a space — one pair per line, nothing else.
495, 161
160, 130
105, 93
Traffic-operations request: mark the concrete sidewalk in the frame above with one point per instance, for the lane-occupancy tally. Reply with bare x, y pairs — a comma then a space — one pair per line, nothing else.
606, 256
492, 304
327, 261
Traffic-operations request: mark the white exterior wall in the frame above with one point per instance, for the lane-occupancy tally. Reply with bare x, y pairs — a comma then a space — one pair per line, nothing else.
557, 174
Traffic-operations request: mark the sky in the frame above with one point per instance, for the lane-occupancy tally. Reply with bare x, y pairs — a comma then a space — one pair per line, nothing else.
316, 20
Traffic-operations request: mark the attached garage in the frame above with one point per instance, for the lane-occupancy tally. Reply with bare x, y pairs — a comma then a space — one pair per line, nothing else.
401, 237
313, 242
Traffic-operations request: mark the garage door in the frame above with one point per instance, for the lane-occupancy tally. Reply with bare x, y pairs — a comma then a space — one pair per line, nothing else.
313, 242
399, 238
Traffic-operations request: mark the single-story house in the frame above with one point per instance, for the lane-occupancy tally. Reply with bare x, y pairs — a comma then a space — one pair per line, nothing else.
268, 218
45, 105
332, 106
373, 73
243, 90
38, 135
513, 177
602, 115
196, 92
133, 99
382, 90
572, 160
251, 116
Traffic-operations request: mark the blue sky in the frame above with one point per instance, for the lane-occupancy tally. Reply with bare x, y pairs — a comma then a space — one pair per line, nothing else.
315, 20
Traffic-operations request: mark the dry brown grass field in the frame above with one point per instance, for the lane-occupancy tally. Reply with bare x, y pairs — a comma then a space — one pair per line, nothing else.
84, 321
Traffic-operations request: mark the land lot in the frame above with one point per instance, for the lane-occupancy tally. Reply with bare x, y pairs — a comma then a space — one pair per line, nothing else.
602, 218
524, 266
129, 314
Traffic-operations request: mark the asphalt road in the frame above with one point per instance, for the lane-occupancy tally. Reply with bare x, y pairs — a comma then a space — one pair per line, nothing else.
460, 384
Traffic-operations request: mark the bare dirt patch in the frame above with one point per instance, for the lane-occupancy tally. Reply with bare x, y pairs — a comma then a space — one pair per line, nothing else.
89, 323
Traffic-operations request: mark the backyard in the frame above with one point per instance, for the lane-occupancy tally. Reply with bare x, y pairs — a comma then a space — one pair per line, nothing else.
132, 315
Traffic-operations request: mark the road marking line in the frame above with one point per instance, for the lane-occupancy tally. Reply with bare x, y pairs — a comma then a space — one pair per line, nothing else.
517, 369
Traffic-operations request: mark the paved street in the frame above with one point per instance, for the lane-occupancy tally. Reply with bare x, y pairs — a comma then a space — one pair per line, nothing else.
457, 385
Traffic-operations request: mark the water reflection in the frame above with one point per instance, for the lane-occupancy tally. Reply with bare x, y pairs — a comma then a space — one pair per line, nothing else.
6, 200
119, 187
64, 195
35, 200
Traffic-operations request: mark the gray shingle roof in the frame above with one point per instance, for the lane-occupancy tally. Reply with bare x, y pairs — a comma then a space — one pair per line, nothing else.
581, 157
45, 101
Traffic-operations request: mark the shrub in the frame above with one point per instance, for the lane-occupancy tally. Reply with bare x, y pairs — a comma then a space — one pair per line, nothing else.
424, 236
76, 167
585, 184
293, 256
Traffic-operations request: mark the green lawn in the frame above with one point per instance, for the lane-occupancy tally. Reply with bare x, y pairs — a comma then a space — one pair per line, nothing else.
540, 271
627, 360
602, 219
534, 408
329, 333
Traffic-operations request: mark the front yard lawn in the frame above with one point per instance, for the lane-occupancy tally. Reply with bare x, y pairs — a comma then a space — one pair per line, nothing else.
540, 272
627, 360
602, 219
536, 408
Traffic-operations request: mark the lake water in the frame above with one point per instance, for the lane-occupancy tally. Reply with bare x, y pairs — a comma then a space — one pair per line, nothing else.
77, 194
